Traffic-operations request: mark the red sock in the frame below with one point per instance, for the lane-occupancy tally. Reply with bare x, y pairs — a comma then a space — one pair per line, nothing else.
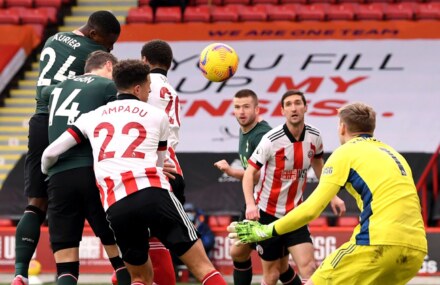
162, 263
213, 278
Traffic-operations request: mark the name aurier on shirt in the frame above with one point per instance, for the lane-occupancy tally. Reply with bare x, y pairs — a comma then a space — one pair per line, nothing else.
67, 40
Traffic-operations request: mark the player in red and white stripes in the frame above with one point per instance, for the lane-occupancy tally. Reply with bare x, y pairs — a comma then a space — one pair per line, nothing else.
283, 157
158, 55
129, 142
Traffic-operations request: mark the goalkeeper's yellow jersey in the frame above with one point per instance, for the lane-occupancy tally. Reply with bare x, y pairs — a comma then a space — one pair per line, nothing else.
381, 181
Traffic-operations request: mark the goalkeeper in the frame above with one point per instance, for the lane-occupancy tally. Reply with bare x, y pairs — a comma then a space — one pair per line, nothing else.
389, 244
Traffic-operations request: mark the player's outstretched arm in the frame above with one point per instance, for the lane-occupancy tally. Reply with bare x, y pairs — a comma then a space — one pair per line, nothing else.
309, 209
55, 149
251, 231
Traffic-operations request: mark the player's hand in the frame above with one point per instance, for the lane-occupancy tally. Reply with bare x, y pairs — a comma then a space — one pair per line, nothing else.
249, 232
168, 170
222, 165
338, 206
252, 212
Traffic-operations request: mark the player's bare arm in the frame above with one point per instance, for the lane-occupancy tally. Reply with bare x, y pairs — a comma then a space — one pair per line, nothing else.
252, 211
337, 204
224, 166
55, 149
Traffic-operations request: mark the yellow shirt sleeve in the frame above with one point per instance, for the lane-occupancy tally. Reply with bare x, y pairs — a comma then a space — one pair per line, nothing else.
309, 209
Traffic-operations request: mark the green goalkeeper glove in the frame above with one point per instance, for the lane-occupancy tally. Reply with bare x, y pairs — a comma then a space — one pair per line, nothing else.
250, 231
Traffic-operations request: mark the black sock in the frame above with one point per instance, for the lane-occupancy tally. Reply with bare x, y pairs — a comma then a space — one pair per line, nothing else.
67, 273
243, 272
290, 277
122, 274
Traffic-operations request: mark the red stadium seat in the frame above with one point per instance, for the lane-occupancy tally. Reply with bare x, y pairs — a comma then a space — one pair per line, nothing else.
52, 13
293, 2
8, 16
341, 12
322, 1
239, 2
370, 12
4, 222
34, 16
347, 221
224, 13
19, 3
378, 1
208, 2
219, 221
319, 222
401, 11
139, 15
168, 15
197, 14
273, 2
312, 12
286, 12
48, 3
253, 13
427, 11
351, 1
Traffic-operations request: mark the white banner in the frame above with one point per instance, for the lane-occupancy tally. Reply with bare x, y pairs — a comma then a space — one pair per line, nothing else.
399, 78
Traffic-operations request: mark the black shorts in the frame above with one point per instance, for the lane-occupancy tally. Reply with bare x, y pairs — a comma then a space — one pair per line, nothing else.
277, 247
151, 209
35, 185
178, 186
74, 197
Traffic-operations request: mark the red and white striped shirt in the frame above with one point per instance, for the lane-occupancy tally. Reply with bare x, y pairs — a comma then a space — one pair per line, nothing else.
127, 137
163, 96
284, 163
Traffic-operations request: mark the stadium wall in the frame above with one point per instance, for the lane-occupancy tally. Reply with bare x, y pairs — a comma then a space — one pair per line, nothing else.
93, 258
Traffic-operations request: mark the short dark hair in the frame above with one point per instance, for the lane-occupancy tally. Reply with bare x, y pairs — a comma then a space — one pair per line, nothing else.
158, 52
243, 93
293, 92
97, 59
104, 22
129, 73
358, 117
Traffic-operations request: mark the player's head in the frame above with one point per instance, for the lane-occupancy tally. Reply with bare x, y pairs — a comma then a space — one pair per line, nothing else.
246, 108
294, 106
354, 119
157, 53
103, 28
133, 77
101, 63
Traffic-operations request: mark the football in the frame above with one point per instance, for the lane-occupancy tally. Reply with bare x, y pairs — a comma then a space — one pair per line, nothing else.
218, 62
34, 267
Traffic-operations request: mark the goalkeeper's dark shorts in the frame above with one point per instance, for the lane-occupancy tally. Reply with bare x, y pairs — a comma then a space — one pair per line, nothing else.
277, 247
150, 211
